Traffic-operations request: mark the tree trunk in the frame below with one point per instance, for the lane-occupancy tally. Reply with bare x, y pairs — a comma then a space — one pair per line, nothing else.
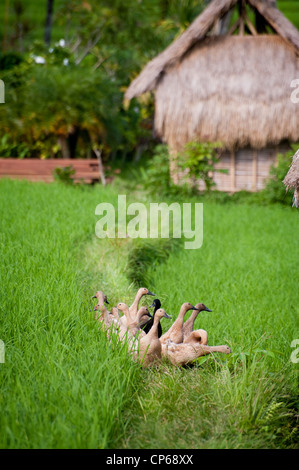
63, 143
49, 17
72, 141
5, 26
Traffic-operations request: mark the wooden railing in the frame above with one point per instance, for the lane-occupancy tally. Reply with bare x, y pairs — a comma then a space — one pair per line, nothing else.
34, 169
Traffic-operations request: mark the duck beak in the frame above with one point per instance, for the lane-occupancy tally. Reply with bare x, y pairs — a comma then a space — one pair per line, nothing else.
150, 293
94, 297
106, 301
151, 306
193, 308
167, 316
208, 310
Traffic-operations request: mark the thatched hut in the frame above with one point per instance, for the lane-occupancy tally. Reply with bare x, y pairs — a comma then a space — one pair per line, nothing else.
292, 178
231, 85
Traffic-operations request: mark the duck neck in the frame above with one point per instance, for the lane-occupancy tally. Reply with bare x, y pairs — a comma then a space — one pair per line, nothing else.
126, 312
181, 316
103, 312
193, 316
153, 332
135, 304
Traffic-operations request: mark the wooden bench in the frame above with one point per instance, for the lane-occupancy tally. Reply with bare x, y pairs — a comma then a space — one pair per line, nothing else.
34, 169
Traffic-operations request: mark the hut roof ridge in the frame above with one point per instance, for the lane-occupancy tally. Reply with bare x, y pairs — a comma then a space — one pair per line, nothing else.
148, 79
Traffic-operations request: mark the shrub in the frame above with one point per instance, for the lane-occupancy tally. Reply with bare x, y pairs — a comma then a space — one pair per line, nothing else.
64, 175
156, 179
275, 190
199, 159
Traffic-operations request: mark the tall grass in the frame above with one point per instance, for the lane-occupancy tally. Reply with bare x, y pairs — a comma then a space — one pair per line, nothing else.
247, 273
62, 385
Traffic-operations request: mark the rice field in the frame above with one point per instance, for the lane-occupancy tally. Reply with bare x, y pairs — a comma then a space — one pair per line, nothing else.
63, 386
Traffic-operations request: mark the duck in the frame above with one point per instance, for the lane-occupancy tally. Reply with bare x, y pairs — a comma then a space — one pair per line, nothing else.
149, 347
100, 307
107, 318
143, 317
189, 324
117, 327
197, 337
185, 353
133, 309
126, 318
156, 305
175, 332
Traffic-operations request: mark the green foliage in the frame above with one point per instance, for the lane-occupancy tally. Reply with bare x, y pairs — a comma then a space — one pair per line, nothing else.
77, 84
10, 148
275, 191
155, 176
68, 99
9, 60
199, 159
64, 175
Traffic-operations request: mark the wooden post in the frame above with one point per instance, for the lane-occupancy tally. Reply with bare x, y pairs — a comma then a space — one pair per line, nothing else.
233, 170
254, 170
101, 166
242, 12
173, 166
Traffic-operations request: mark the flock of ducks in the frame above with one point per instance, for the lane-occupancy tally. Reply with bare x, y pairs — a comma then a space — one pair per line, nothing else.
142, 331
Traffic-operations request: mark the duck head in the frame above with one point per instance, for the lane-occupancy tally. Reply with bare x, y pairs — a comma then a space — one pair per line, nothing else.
160, 313
145, 291
188, 306
143, 316
202, 308
101, 297
156, 304
122, 307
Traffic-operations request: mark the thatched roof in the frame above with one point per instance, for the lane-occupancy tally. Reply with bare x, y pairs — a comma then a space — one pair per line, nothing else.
292, 178
219, 93
229, 88
147, 80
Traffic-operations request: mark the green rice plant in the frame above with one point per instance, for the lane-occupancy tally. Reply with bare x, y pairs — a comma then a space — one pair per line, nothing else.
62, 384
146, 254
245, 272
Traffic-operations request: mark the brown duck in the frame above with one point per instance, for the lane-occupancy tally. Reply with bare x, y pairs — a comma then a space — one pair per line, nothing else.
175, 332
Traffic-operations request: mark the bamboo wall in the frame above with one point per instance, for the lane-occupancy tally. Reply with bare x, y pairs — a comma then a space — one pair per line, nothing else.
247, 168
